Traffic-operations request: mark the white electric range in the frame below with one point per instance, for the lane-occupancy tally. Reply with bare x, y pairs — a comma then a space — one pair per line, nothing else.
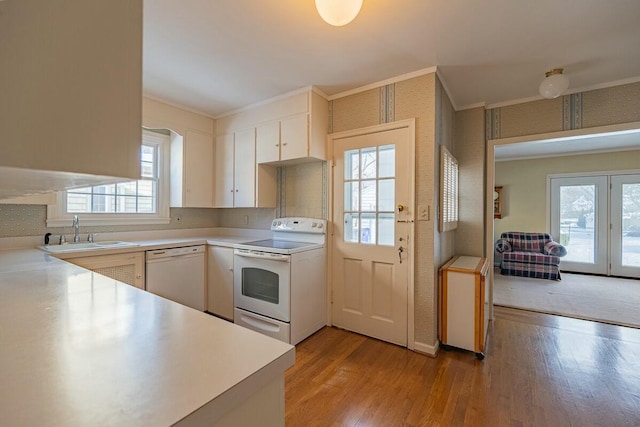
280, 284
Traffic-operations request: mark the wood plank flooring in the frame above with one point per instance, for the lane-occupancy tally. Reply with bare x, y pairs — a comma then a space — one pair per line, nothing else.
539, 370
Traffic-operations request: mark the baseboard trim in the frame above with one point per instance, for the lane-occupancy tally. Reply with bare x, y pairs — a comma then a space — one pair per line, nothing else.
429, 350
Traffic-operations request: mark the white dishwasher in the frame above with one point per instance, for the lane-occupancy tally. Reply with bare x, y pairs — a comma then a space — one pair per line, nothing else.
178, 274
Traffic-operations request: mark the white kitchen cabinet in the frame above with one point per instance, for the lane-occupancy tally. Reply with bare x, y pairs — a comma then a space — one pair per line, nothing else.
127, 267
291, 129
192, 172
286, 139
220, 281
239, 182
244, 174
224, 171
71, 85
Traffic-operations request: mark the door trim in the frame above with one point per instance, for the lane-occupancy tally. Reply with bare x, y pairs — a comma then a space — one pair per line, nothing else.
410, 124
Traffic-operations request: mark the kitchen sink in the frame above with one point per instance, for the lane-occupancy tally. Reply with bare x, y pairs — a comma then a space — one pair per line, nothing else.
87, 246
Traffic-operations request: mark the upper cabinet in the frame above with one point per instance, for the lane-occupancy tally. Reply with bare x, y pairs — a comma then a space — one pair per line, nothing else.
192, 170
288, 130
282, 140
192, 152
71, 85
239, 182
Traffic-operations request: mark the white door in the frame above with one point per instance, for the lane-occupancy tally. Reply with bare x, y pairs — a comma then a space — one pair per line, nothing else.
579, 221
372, 212
625, 225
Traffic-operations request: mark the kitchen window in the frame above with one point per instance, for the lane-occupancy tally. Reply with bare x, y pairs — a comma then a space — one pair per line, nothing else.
143, 201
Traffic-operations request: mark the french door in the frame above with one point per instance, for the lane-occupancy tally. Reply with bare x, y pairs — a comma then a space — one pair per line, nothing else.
597, 218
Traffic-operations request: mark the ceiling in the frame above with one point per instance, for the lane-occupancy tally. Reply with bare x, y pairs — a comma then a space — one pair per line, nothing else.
216, 56
582, 144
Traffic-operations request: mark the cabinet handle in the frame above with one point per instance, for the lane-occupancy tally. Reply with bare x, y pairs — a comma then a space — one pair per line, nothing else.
277, 145
284, 143
236, 190
231, 191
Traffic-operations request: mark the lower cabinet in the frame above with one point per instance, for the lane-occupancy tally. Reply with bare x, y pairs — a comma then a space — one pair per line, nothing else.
127, 268
220, 281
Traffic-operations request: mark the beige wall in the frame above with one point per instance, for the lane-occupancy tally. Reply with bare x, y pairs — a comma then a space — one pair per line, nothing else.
614, 105
414, 98
524, 185
470, 152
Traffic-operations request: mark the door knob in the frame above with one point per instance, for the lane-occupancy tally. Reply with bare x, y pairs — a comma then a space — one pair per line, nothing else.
400, 250
400, 208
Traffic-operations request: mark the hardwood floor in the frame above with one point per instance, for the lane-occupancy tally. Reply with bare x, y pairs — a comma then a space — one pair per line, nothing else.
539, 370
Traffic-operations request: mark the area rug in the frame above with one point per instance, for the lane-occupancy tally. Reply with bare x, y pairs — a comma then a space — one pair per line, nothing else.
603, 299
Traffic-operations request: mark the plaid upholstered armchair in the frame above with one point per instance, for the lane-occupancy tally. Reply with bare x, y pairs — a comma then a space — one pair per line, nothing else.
530, 255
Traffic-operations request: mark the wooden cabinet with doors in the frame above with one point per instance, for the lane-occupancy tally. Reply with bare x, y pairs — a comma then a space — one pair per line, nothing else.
128, 268
239, 181
192, 170
284, 140
220, 281
463, 304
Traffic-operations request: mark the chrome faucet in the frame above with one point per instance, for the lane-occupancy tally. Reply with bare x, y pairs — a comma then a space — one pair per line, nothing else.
76, 229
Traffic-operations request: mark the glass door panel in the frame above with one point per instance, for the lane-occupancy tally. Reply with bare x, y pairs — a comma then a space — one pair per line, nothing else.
579, 221
369, 195
625, 225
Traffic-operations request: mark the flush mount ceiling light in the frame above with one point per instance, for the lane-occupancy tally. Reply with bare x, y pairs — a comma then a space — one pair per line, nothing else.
555, 84
338, 12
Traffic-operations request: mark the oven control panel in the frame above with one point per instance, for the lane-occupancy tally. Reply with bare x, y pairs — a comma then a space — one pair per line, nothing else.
299, 225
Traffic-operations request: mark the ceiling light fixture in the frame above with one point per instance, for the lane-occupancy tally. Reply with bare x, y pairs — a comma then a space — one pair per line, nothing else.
338, 12
555, 84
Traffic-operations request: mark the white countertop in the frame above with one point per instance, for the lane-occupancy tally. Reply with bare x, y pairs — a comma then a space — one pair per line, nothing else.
81, 349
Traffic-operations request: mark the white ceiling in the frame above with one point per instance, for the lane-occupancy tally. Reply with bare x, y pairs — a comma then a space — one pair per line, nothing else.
215, 56
583, 144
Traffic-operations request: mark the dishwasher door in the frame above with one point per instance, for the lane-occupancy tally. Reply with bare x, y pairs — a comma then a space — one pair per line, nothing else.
178, 275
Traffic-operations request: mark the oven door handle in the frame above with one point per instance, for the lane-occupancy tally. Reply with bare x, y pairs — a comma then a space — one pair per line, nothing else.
273, 257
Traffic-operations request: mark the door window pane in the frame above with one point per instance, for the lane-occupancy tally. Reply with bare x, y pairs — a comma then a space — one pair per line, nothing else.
369, 200
351, 196
631, 225
386, 229
369, 163
369, 196
351, 228
386, 191
352, 164
387, 161
368, 230
577, 222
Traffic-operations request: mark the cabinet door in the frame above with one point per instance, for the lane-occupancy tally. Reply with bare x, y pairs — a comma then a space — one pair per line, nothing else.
127, 268
220, 281
245, 168
268, 142
295, 137
198, 170
224, 171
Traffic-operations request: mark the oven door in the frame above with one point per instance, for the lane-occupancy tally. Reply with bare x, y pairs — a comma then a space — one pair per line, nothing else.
261, 283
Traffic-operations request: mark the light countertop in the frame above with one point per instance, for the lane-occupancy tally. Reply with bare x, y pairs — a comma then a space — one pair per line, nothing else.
81, 349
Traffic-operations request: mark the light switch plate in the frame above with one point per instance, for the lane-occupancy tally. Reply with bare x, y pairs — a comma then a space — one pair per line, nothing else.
424, 212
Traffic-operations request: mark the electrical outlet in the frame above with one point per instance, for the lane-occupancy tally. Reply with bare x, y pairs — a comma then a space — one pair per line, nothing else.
424, 212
